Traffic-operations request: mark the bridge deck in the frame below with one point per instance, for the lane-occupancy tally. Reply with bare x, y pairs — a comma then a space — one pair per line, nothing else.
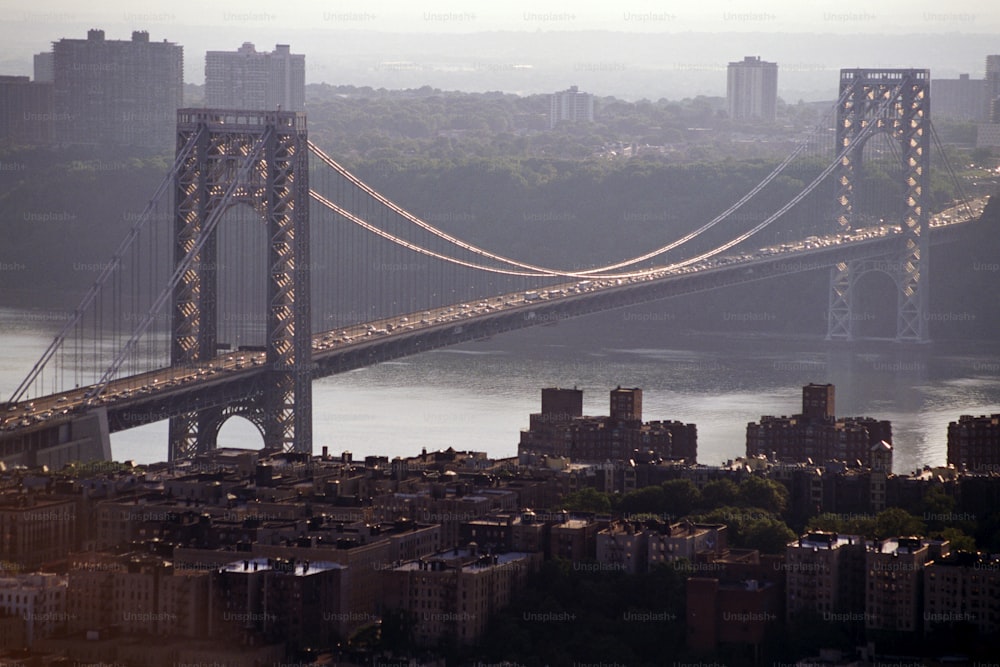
141, 399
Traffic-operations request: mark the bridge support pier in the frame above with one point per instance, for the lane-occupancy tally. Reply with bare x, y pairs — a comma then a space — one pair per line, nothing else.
841, 315
895, 101
277, 188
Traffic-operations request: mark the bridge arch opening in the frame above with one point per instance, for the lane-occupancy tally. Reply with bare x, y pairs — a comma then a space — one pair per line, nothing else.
875, 303
238, 431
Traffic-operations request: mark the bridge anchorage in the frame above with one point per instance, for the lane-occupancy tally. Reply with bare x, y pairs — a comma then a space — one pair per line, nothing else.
897, 102
259, 159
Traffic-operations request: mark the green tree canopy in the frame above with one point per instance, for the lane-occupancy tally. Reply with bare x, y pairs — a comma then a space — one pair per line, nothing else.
719, 493
769, 536
587, 499
680, 497
766, 494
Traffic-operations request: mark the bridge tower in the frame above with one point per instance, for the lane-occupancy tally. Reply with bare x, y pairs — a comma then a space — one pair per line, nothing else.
896, 101
276, 186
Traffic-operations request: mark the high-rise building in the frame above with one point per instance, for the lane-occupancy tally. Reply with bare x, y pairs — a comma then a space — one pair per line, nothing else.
817, 435
256, 80
25, 112
626, 404
44, 67
450, 596
974, 443
297, 602
117, 92
818, 401
992, 65
894, 582
559, 405
962, 589
964, 98
752, 90
825, 575
988, 132
570, 105
560, 430
993, 75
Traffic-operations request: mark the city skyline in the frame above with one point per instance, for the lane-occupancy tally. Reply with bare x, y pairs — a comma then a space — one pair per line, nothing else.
370, 292
527, 50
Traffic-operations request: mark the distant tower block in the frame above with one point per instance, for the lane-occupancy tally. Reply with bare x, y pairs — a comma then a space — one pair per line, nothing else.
561, 404
570, 105
251, 79
626, 404
895, 101
752, 90
818, 401
881, 457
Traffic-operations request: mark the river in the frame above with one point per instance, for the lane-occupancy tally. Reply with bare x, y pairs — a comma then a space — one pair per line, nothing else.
478, 395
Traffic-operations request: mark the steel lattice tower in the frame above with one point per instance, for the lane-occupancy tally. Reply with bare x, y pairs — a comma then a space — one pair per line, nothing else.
276, 186
896, 101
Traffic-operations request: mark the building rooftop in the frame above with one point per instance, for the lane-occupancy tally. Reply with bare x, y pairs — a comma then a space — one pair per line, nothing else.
461, 558
969, 559
899, 545
298, 568
824, 540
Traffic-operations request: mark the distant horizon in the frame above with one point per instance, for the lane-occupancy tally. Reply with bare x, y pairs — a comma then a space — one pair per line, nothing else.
676, 61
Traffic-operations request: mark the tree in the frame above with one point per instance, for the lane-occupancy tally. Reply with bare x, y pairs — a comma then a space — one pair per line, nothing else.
766, 494
719, 493
936, 506
680, 496
647, 500
895, 522
587, 499
835, 524
957, 539
769, 536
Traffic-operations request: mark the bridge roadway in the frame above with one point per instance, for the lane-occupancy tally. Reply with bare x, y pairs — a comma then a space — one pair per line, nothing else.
237, 376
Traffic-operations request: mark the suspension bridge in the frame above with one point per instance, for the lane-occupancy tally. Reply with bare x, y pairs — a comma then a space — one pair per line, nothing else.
261, 264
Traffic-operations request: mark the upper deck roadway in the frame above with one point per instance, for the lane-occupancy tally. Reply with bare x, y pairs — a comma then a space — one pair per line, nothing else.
233, 376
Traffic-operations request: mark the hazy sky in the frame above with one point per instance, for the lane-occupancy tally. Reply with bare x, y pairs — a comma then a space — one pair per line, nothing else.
979, 16
331, 33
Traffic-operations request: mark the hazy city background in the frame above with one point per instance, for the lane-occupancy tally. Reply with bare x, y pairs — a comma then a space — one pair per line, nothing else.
407, 143
636, 50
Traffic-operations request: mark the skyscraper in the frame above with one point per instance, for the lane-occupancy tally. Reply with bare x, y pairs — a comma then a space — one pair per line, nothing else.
963, 99
248, 79
44, 67
752, 90
571, 105
993, 86
974, 443
818, 401
25, 112
993, 69
117, 91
